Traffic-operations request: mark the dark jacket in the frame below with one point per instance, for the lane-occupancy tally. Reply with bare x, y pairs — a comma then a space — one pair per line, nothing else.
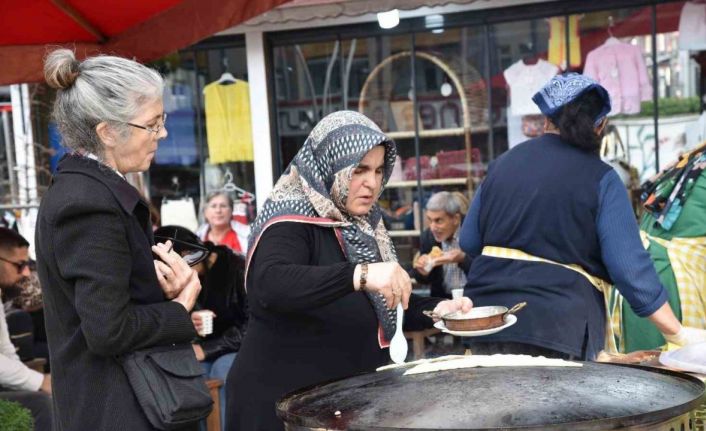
435, 278
307, 323
101, 295
223, 292
542, 198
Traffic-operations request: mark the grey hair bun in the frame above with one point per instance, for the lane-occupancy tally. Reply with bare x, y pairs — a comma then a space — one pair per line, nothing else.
61, 68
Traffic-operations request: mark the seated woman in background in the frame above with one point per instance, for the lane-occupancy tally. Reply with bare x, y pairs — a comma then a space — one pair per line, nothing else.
322, 273
220, 228
222, 292
552, 225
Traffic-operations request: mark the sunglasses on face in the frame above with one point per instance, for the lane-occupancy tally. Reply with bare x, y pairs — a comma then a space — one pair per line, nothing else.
193, 254
19, 265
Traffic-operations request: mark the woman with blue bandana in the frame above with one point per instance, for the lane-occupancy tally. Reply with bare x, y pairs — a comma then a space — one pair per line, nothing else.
552, 225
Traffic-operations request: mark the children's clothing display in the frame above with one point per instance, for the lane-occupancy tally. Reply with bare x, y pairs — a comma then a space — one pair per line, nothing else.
179, 212
228, 122
620, 68
692, 26
524, 80
557, 41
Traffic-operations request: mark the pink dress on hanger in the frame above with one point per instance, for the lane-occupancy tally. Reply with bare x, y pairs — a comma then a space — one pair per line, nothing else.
620, 68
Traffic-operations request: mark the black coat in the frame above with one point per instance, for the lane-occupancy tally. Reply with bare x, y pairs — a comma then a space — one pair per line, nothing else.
223, 292
436, 277
101, 295
307, 323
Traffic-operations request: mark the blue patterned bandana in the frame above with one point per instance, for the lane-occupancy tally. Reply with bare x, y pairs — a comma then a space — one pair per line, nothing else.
566, 88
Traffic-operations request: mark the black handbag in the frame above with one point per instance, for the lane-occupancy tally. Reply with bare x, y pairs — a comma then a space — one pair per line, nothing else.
169, 385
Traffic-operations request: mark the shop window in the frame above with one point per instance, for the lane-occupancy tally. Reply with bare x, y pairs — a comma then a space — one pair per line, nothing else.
616, 50
681, 63
199, 155
307, 88
519, 66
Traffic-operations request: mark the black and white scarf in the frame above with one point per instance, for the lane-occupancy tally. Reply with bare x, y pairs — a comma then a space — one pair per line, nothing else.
314, 189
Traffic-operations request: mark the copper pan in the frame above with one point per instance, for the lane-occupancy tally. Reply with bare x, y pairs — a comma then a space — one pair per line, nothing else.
478, 319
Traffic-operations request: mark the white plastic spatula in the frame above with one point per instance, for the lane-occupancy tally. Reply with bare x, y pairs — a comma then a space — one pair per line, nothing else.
398, 344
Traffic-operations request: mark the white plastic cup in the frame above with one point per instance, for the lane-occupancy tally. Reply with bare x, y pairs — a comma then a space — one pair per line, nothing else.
206, 322
456, 293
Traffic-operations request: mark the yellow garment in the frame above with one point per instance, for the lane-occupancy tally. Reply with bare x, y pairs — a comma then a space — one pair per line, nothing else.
600, 284
688, 259
228, 122
557, 41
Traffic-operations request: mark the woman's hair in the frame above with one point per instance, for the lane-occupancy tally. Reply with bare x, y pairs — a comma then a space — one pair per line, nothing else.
576, 121
212, 195
98, 89
445, 201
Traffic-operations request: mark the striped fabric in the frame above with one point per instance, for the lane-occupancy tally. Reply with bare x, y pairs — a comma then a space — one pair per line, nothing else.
688, 259
454, 276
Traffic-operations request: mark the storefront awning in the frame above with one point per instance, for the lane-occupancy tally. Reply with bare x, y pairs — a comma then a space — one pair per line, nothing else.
311, 10
144, 30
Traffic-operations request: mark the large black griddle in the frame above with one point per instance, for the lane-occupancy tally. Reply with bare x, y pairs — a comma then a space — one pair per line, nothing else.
594, 397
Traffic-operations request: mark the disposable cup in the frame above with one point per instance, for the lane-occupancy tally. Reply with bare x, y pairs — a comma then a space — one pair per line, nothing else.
207, 322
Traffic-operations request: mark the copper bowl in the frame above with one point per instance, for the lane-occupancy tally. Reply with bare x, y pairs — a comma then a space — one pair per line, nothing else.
479, 318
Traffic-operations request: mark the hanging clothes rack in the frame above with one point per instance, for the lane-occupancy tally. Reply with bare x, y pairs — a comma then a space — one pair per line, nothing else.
230, 187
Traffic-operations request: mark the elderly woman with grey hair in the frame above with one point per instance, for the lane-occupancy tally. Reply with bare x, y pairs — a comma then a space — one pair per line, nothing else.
104, 295
445, 267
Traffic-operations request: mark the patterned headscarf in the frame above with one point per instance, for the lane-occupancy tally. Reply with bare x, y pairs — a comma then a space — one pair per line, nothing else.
314, 189
566, 88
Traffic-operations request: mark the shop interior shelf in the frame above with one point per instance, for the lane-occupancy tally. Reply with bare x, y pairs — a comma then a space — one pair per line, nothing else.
434, 182
402, 233
434, 133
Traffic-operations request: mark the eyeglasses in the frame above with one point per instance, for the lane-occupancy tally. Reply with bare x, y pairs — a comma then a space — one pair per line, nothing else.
19, 265
195, 253
156, 129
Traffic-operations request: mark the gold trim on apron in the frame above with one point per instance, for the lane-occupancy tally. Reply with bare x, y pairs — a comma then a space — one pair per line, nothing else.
612, 326
687, 257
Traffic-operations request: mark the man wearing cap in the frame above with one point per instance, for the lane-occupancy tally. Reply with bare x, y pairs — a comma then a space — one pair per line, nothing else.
17, 382
552, 226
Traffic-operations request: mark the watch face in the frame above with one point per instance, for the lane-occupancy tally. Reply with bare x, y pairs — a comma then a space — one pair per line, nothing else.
363, 274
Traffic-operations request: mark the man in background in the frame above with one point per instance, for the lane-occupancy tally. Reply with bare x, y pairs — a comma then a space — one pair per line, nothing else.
442, 264
17, 382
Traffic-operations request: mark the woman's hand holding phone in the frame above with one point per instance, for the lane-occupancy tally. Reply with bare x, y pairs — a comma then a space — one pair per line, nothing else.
178, 281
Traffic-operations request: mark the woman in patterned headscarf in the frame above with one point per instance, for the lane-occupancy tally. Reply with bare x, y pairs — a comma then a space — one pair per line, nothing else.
552, 225
322, 275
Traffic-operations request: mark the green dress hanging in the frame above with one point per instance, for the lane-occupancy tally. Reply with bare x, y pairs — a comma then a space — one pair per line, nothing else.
639, 333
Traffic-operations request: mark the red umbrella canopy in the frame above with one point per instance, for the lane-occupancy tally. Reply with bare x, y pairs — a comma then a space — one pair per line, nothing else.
141, 29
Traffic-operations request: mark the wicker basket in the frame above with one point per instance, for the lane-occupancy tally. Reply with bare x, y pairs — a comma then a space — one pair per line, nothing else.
473, 95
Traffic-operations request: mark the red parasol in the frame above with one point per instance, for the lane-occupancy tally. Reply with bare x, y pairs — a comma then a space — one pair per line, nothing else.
145, 30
